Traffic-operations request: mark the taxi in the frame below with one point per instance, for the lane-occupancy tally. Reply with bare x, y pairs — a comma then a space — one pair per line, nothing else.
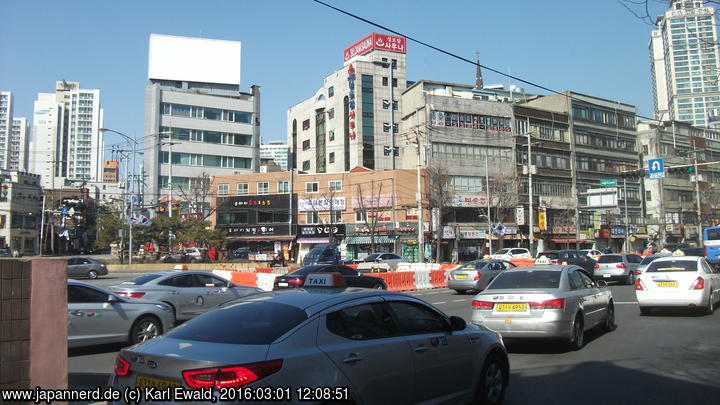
323, 342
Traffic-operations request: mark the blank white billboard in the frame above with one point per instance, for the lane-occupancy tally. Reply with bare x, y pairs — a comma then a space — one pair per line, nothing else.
194, 59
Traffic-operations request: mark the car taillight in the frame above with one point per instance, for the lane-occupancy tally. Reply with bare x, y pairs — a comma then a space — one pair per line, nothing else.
638, 272
477, 276
233, 376
698, 284
122, 367
596, 266
482, 304
449, 277
621, 265
295, 281
639, 286
555, 262
131, 294
558, 303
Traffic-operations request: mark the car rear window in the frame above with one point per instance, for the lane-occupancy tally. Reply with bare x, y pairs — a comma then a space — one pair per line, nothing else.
649, 259
244, 323
304, 271
610, 259
142, 279
671, 266
549, 255
526, 279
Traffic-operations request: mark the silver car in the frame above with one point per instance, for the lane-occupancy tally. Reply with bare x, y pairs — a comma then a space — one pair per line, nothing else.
620, 267
323, 345
85, 267
476, 275
189, 293
647, 260
96, 316
554, 301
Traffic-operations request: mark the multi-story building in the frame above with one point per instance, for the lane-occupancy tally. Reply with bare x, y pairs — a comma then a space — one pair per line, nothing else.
197, 121
671, 203
111, 171
685, 64
18, 145
6, 124
21, 200
67, 145
353, 119
277, 151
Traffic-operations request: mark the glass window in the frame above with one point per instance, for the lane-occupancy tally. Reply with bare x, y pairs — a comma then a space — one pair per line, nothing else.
306, 165
576, 281
312, 217
204, 280
283, 187
185, 281
180, 110
79, 294
263, 187
223, 189
312, 187
610, 259
672, 266
336, 217
264, 217
212, 113
526, 279
211, 161
331, 91
142, 279
331, 157
212, 137
335, 185
242, 188
361, 322
413, 318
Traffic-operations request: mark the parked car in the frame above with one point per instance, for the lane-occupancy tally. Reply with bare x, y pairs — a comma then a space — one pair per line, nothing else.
188, 293
322, 253
569, 257
195, 254
694, 251
368, 346
97, 316
678, 281
296, 278
390, 259
85, 267
475, 275
647, 260
512, 253
5, 252
241, 253
553, 302
174, 257
592, 253
618, 267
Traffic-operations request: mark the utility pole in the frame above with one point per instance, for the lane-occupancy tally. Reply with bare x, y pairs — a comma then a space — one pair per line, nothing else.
531, 235
421, 233
627, 222
697, 197
487, 203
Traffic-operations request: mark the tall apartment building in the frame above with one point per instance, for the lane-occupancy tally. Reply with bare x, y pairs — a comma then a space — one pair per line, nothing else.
67, 145
13, 136
196, 118
685, 64
277, 151
353, 119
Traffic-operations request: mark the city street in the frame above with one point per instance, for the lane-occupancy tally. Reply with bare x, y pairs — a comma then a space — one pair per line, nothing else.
670, 357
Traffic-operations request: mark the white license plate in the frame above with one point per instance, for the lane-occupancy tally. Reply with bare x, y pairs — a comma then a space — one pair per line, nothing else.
282, 284
607, 275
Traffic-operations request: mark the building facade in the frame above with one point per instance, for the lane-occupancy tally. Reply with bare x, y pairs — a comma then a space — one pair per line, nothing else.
685, 64
353, 119
277, 151
197, 121
67, 145
21, 200
13, 136
111, 171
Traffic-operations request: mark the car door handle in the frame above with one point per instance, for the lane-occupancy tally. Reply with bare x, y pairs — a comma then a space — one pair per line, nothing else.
352, 358
421, 349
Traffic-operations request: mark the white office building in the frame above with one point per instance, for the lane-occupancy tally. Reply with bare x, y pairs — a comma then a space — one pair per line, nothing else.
277, 151
685, 64
18, 145
67, 146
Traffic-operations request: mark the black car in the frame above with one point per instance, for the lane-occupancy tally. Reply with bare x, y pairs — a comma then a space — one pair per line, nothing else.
570, 257
296, 279
241, 253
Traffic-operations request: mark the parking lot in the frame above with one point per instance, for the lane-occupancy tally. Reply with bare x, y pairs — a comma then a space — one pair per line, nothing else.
670, 357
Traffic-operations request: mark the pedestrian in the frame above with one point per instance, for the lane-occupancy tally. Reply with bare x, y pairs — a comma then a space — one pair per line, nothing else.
212, 253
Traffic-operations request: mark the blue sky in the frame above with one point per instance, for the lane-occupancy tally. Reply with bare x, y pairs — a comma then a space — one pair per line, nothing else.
590, 46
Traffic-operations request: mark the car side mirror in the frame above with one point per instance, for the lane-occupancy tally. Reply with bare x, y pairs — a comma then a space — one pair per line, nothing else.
112, 299
457, 323
230, 285
601, 283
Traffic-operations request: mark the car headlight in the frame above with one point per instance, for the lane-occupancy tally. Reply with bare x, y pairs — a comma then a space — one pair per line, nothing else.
164, 307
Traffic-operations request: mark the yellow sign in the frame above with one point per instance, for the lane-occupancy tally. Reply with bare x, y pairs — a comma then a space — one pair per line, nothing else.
542, 221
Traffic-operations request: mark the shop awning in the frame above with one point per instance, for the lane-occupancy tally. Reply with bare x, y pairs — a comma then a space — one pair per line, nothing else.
313, 240
365, 240
261, 238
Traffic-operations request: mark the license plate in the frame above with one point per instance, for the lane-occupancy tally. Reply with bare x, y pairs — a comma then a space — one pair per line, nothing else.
511, 307
460, 276
607, 275
142, 381
283, 284
666, 283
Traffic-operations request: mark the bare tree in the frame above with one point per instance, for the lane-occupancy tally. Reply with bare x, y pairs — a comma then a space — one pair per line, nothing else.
504, 198
325, 202
197, 195
373, 206
439, 197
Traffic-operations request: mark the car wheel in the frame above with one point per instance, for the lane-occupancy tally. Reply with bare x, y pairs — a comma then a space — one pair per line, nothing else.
710, 307
609, 324
145, 328
577, 337
630, 278
493, 381
92, 274
378, 286
645, 311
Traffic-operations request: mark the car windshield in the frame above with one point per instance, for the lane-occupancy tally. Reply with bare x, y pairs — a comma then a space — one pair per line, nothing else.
304, 271
528, 279
648, 259
142, 279
610, 259
672, 266
502, 252
262, 323
372, 256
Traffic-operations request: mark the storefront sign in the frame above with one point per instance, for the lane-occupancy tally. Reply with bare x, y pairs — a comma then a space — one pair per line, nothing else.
542, 221
351, 101
257, 230
321, 230
378, 230
510, 231
462, 200
520, 215
321, 204
469, 121
375, 41
276, 201
617, 231
448, 232
563, 229
472, 234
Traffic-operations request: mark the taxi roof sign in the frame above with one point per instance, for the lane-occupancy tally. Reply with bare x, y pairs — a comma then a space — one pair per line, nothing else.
678, 253
542, 260
325, 280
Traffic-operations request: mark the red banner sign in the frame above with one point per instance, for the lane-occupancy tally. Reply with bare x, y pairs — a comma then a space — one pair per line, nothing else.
375, 41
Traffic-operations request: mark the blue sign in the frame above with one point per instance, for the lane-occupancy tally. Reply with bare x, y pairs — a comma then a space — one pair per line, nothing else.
656, 168
617, 231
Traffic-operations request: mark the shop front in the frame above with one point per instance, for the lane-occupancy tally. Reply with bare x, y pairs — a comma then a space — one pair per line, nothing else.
359, 241
263, 243
311, 235
472, 244
408, 241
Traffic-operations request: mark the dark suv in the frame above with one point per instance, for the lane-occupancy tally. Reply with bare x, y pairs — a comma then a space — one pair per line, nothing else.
576, 257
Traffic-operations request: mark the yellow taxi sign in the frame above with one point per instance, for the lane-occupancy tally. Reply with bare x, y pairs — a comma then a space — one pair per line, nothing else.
325, 280
542, 260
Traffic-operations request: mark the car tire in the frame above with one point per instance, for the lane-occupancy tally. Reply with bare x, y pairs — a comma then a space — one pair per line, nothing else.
645, 311
493, 381
92, 274
710, 307
609, 325
630, 280
145, 328
577, 333
378, 286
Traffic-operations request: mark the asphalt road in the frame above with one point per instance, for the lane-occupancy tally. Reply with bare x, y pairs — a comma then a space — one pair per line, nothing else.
671, 357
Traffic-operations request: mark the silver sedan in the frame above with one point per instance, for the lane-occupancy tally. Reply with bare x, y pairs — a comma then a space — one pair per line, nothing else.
188, 293
320, 345
476, 275
554, 301
96, 316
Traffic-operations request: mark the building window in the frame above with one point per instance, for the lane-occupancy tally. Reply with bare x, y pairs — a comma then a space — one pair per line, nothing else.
394, 82
306, 144
648, 196
645, 149
386, 127
306, 125
263, 187
306, 165
223, 189
395, 105
332, 157
384, 81
331, 135
283, 187
386, 104
336, 217
335, 185
242, 188
360, 216
331, 113
312, 187
312, 217
331, 91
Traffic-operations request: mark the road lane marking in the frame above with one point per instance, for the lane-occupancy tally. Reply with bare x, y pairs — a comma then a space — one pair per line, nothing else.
439, 302
458, 300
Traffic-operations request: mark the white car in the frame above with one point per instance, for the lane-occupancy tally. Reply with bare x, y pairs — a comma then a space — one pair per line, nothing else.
593, 253
512, 253
678, 281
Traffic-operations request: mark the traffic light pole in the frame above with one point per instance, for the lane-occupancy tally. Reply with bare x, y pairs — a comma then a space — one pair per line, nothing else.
627, 224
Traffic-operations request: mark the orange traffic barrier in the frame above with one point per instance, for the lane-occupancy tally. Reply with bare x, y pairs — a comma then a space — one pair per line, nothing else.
354, 266
263, 269
437, 279
448, 266
391, 280
244, 278
406, 280
523, 262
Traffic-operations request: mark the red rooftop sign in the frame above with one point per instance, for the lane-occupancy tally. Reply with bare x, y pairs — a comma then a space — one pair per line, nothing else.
375, 41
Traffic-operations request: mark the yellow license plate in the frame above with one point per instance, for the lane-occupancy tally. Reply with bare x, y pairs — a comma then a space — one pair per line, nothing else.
460, 276
666, 283
511, 307
146, 382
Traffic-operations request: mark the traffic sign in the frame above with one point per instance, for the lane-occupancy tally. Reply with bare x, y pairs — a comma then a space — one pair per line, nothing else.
656, 168
608, 183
